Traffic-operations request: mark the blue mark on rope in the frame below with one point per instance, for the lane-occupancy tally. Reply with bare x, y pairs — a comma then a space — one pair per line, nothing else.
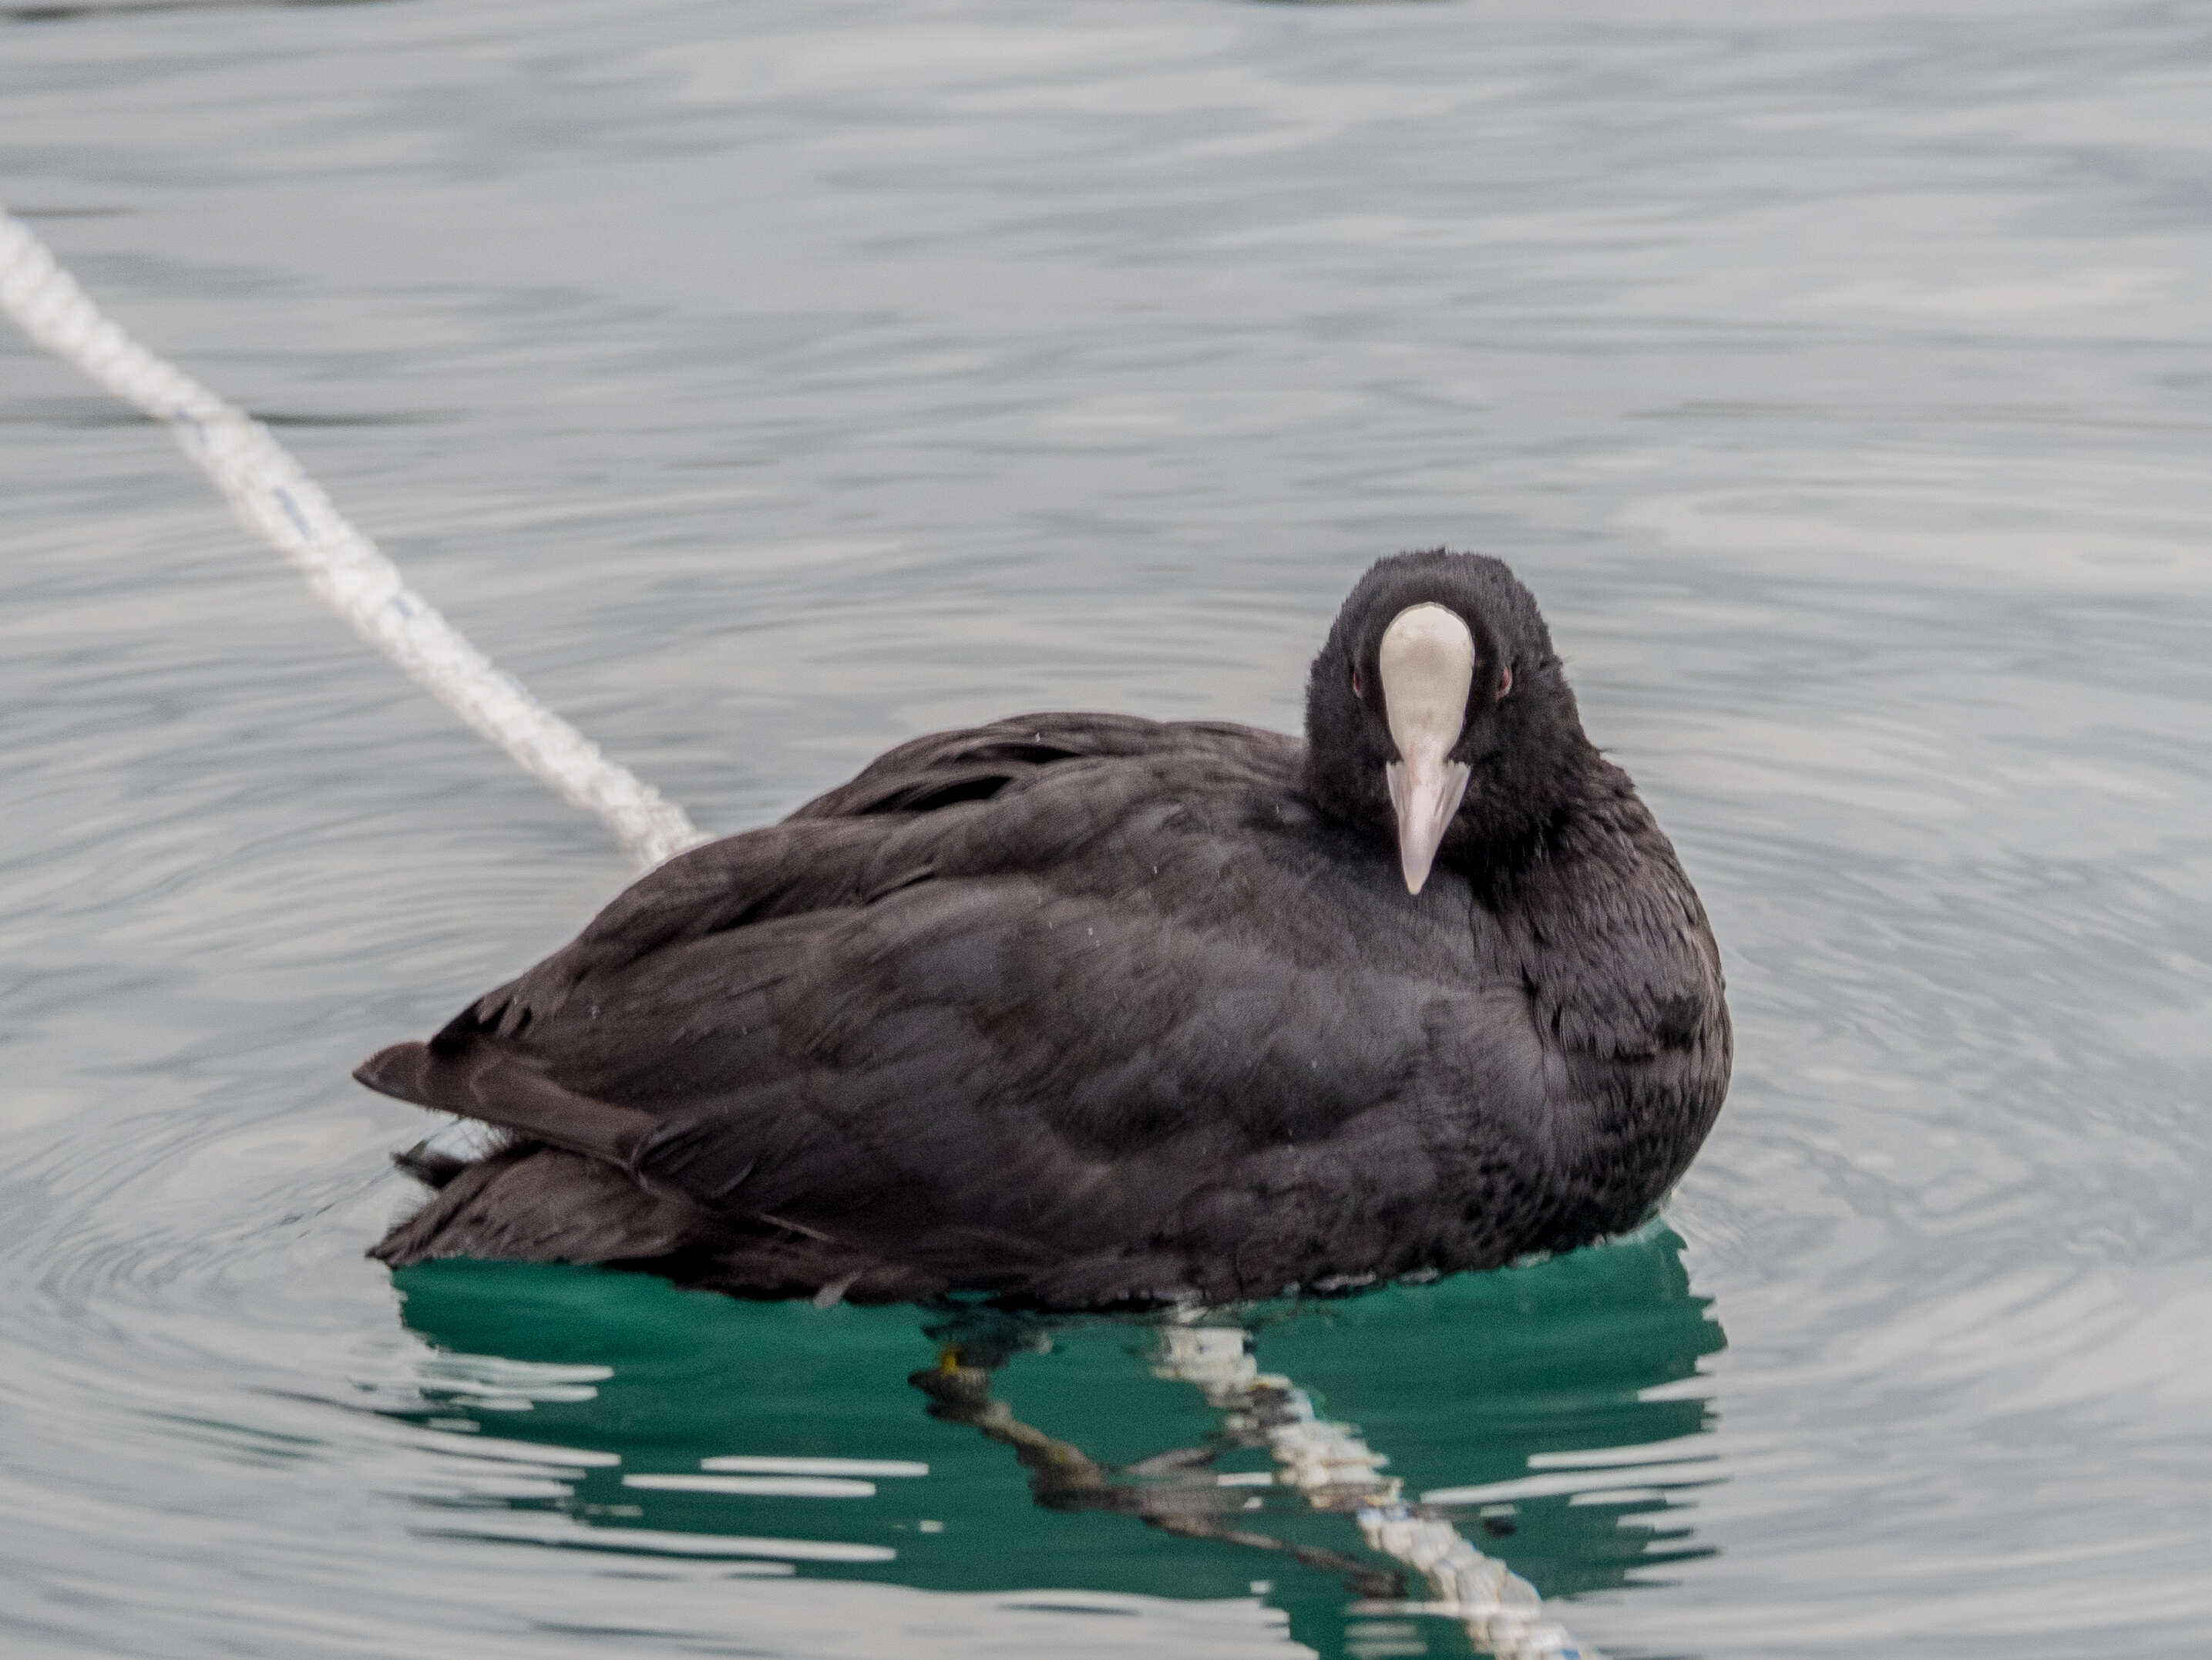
402, 602
292, 508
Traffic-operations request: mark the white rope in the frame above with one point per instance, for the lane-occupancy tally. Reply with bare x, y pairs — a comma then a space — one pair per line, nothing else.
1335, 1469
274, 497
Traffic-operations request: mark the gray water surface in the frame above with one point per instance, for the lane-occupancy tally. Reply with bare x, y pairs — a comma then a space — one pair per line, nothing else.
766, 383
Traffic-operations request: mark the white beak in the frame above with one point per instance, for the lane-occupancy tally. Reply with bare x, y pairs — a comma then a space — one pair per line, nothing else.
1427, 669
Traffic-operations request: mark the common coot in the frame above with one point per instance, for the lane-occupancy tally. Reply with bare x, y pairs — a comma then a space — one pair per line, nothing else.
1084, 1010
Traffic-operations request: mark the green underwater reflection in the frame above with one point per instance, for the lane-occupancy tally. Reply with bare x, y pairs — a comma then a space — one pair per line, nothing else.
1546, 1407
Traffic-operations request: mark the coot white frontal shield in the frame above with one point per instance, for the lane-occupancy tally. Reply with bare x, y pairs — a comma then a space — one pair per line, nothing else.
1427, 669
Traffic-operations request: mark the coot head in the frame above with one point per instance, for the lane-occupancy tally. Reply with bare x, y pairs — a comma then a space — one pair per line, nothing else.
1437, 716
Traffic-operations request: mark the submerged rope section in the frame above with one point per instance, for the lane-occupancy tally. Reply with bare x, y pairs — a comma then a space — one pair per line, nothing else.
273, 496
1337, 1470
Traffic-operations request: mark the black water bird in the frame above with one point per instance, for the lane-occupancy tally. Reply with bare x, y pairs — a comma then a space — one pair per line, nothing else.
1085, 1009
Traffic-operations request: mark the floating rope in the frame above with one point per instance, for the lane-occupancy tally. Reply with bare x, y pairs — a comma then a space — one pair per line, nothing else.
1336, 1470
273, 497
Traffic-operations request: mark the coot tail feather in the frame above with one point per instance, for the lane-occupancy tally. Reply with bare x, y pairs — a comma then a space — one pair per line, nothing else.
474, 1077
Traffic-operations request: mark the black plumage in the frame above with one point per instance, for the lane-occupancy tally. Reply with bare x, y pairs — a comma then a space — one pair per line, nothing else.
1081, 1010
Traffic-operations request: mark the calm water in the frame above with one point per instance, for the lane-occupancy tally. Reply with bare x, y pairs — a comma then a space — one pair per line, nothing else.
768, 382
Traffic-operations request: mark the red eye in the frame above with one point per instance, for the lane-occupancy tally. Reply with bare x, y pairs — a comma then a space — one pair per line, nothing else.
1355, 683
1506, 680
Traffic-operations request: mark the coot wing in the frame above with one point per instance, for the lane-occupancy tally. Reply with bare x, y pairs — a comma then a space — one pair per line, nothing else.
1086, 1033
884, 830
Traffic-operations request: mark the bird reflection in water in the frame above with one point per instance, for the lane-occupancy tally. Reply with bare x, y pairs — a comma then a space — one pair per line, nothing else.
1176, 1491
1549, 1413
1421, 1561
